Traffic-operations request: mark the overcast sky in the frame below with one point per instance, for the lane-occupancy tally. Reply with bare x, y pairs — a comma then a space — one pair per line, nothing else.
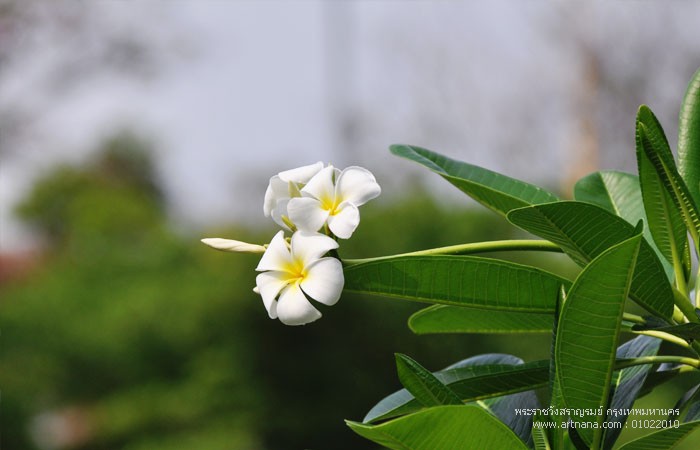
233, 91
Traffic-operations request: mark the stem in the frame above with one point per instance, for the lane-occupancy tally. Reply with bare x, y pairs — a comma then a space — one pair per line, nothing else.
634, 318
289, 223
659, 334
685, 369
678, 315
597, 438
666, 337
623, 363
475, 247
681, 282
685, 305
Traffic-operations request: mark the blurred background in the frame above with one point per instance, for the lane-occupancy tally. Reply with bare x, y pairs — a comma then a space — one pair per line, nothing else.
129, 130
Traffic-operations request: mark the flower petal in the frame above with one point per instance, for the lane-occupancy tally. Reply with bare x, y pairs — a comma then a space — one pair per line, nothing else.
229, 245
306, 213
269, 285
277, 256
294, 309
309, 247
344, 223
279, 211
324, 281
301, 174
357, 186
321, 185
276, 190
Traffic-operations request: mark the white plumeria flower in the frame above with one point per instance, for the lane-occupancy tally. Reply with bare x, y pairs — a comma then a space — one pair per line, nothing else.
285, 186
291, 272
332, 197
229, 245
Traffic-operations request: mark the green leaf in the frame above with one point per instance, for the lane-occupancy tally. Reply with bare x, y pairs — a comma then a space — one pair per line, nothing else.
666, 439
557, 435
689, 137
664, 218
584, 231
693, 411
444, 428
539, 435
493, 190
457, 280
472, 379
627, 383
651, 142
690, 400
617, 192
506, 408
455, 319
422, 384
576, 440
588, 332
659, 377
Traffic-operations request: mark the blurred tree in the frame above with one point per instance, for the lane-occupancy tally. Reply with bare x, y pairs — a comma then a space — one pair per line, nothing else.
124, 337
77, 202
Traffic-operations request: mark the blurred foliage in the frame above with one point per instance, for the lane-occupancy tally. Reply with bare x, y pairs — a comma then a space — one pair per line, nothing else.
129, 335
116, 195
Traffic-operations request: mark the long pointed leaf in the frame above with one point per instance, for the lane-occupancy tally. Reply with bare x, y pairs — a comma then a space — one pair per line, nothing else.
619, 193
588, 331
575, 439
455, 319
457, 280
506, 409
627, 383
664, 219
422, 384
493, 190
557, 435
666, 439
689, 400
689, 137
657, 378
444, 428
584, 231
693, 412
473, 379
402, 402
539, 433
665, 167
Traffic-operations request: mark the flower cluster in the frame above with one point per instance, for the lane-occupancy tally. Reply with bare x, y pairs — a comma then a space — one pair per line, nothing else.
318, 205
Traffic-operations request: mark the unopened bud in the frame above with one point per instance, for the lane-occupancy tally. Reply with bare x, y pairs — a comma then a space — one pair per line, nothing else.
229, 245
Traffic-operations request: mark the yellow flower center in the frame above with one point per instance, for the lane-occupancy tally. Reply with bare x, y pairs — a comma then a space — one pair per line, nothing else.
296, 272
330, 204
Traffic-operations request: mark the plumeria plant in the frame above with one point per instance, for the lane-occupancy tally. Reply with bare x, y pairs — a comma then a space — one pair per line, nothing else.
636, 239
